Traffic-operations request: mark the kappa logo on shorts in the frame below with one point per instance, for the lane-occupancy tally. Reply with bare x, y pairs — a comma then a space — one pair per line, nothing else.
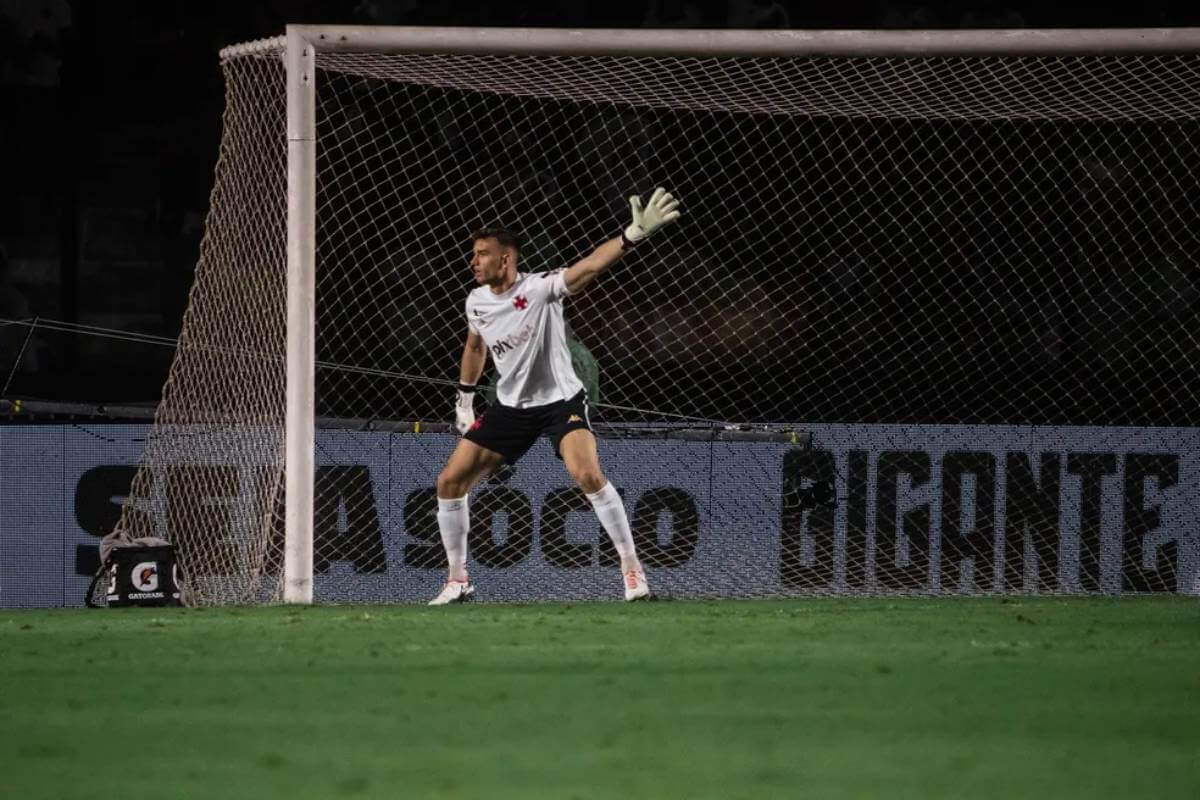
574, 418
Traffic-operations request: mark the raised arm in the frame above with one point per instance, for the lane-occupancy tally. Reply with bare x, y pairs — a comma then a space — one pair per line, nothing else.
474, 358
661, 209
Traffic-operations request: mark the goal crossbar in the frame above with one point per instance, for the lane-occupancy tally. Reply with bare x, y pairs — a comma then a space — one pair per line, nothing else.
728, 43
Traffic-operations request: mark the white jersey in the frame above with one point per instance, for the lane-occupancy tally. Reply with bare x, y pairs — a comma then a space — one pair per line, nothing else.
524, 330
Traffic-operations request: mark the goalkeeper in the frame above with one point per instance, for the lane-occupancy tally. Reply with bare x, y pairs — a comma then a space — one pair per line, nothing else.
518, 317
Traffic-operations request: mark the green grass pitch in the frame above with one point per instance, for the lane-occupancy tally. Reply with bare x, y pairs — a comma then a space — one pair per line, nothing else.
823, 698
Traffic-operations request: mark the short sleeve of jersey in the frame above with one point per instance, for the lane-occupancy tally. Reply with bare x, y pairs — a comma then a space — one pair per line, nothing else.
555, 283
467, 312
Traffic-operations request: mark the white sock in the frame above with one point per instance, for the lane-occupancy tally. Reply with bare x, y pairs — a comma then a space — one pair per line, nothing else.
611, 512
454, 522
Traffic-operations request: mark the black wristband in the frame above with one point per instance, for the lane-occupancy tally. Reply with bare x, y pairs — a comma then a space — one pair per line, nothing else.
626, 242
466, 388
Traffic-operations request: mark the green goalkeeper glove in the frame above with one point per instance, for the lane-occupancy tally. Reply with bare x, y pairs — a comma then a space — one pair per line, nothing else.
661, 208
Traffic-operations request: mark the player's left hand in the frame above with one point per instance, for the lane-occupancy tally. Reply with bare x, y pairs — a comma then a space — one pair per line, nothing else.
662, 208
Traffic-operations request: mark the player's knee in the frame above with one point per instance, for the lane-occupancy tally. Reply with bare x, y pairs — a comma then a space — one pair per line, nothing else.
450, 485
591, 480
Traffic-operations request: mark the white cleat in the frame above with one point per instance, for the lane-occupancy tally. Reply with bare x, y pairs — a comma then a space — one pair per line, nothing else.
636, 587
454, 592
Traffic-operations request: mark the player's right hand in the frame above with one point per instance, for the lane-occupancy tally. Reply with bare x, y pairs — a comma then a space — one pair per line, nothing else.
464, 411
660, 209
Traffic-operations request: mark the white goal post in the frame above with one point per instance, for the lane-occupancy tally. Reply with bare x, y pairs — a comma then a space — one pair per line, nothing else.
1046, 95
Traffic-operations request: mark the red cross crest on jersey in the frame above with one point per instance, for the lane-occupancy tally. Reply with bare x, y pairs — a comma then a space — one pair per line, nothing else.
520, 302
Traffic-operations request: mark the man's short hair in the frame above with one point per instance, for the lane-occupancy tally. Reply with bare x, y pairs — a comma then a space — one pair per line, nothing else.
504, 236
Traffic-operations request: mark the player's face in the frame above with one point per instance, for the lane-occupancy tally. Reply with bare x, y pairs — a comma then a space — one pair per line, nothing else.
490, 261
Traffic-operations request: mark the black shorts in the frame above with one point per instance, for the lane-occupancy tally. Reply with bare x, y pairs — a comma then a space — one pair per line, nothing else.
512, 431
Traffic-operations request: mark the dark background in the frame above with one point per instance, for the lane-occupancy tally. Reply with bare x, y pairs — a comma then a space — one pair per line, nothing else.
110, 123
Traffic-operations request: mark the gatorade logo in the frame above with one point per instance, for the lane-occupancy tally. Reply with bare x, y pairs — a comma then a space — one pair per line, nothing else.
145, 576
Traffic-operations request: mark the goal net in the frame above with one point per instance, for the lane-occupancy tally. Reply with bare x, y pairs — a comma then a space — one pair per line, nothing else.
922, 284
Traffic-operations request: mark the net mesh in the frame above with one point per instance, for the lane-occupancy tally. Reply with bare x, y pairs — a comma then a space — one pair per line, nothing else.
951, 241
